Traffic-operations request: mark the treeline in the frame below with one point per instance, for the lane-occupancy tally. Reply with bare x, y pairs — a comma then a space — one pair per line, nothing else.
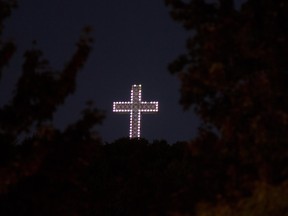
135, 177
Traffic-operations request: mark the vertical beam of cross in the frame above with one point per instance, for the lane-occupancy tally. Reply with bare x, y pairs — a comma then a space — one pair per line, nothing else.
135, 107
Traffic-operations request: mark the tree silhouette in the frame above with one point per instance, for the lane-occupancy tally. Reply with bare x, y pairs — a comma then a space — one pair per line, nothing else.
38, 163
234, 75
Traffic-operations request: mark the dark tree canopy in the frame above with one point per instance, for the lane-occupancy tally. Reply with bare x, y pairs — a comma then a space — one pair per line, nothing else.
234, 73
40, 90
35, 157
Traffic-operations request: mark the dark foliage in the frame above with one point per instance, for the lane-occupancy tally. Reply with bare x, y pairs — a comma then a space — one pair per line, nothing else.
234, 75
127, 177
37, 161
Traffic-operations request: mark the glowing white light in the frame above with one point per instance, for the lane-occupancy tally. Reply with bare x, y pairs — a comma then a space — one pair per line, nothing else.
135, 107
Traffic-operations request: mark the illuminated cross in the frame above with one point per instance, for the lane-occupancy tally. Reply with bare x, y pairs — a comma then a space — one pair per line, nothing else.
135, 107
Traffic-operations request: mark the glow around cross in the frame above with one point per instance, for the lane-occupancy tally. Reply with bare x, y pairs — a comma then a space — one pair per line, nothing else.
135, 107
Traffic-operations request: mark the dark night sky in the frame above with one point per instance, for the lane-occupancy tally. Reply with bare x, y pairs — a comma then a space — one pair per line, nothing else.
134, 43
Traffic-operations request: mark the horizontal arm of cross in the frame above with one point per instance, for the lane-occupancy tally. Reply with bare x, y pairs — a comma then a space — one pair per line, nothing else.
145, 107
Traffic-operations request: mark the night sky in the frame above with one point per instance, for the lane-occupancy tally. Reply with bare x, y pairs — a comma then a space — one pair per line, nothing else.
134, 43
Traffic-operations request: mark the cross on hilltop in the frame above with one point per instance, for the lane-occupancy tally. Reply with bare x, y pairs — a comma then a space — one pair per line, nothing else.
135, 107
